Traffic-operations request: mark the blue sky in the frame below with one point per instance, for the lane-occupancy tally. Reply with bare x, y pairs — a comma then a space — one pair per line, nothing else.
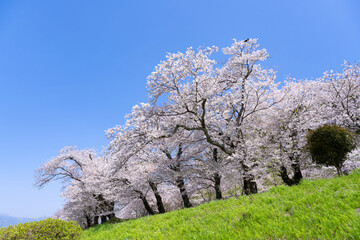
71, 69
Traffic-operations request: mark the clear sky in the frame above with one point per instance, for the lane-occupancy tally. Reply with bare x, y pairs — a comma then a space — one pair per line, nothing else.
71, 69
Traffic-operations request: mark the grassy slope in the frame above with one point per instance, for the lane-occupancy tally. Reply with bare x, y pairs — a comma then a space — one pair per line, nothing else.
322, 209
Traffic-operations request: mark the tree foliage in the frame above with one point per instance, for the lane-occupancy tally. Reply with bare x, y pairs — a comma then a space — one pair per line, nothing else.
329, 145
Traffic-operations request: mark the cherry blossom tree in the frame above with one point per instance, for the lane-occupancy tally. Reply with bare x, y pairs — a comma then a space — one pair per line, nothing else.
151, 148
286, 127
340, 97
74, 167
222, 103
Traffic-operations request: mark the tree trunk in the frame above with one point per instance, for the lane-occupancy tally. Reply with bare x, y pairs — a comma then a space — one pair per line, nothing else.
103, 219
110, 208
88, 221
339, 171
103, 207
159, 202
217, 179
297, 175
111, 216
96, 220
285, 177
250, 186
145, 202
181, 185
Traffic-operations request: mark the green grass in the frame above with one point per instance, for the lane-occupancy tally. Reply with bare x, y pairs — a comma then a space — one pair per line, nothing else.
321, 209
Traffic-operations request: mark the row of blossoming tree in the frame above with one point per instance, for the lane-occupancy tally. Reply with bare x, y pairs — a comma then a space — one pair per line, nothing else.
208, 131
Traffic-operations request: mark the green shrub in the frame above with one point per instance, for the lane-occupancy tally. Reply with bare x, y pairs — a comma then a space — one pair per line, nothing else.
329, 145
45, 229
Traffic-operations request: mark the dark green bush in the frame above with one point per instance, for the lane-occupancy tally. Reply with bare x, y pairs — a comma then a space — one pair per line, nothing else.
45, 229
329, 145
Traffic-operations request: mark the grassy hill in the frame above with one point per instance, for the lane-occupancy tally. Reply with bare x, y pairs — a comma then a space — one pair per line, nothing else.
321, 209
